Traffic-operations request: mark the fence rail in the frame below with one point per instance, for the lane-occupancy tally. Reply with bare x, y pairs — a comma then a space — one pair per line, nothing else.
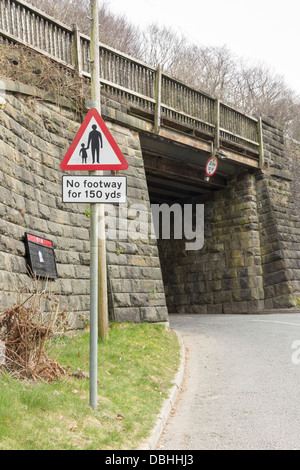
129, 79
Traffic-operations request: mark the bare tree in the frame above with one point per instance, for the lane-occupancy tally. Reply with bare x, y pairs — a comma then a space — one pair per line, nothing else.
66, 11
260, 91
216, 70
162, 45
253, 88
115, 30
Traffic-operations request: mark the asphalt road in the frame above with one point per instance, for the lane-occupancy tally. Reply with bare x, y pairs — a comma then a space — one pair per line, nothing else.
242, 383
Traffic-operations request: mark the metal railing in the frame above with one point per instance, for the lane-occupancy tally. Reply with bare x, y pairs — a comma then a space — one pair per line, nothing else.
130, 80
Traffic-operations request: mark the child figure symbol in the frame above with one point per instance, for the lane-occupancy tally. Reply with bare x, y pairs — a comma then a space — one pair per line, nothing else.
83, 153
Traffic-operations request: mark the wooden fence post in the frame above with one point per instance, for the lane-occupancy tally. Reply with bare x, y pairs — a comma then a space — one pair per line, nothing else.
261, 142
77, 49
217, 125
158, 85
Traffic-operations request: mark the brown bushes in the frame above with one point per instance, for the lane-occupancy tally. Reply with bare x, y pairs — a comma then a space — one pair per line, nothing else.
24, 341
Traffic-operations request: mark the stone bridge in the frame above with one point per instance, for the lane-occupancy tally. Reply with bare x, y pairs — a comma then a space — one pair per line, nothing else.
167, 130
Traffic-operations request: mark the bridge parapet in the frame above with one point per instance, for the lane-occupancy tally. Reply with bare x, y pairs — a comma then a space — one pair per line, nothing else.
150, 92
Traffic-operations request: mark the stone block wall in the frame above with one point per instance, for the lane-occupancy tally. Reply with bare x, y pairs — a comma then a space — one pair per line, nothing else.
134, 271
250, 260
293, 149
278, 210
34, 137
251, 256
225, 276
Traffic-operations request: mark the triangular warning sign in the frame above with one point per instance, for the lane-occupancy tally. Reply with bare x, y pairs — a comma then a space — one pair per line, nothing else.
93, 147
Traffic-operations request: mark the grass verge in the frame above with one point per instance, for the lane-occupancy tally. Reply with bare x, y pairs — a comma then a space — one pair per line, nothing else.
136, 367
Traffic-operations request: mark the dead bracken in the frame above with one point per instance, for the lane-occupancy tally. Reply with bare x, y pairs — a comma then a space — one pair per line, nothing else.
25, 339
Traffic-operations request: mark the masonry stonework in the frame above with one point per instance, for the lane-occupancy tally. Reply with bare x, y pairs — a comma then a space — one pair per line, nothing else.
225, 276
35, 135
278, 209
134, 271
250, 260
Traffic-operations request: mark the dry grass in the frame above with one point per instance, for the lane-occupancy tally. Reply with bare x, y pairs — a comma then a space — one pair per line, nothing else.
24, 340
22, 64
27, 327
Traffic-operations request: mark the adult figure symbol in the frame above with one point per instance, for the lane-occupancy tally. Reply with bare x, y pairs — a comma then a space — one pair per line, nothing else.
95, 139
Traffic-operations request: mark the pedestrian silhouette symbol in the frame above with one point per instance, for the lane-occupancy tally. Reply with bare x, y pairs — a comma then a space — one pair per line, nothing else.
95, 140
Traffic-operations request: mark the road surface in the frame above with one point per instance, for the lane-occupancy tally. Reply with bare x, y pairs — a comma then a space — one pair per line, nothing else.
242, 383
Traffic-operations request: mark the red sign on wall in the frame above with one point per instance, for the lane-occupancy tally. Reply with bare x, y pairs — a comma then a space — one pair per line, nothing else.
40, 256
39, 241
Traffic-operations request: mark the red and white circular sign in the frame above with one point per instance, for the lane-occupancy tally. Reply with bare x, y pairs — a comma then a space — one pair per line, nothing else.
211, 166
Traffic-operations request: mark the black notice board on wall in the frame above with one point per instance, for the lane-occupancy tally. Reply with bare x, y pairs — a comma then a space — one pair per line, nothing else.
40, 256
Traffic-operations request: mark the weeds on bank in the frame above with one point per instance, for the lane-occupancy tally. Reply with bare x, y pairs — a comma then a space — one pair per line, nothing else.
135, 371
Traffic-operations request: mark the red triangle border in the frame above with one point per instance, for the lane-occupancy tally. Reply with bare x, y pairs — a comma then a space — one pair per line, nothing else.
93, 113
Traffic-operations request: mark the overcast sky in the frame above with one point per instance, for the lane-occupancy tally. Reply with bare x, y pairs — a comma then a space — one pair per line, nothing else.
261, 30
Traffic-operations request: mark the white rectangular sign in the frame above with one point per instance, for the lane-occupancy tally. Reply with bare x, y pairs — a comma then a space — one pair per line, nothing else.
94, 189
